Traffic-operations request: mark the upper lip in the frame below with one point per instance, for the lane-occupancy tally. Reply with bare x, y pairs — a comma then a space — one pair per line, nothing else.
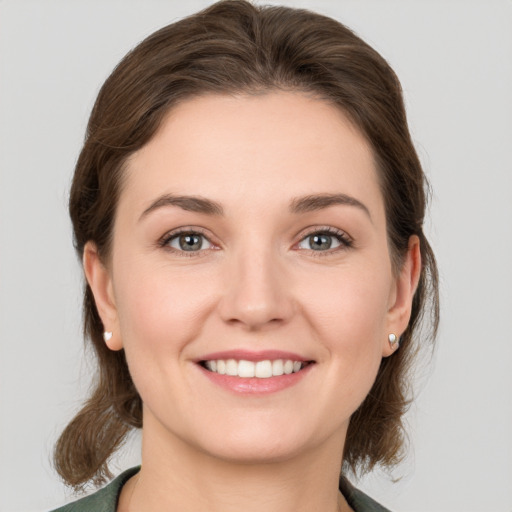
249, 355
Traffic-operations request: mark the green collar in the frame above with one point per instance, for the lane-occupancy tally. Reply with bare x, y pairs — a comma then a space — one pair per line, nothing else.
105, 500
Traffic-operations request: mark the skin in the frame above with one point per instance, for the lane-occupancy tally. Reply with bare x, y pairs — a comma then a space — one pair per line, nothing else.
257, 284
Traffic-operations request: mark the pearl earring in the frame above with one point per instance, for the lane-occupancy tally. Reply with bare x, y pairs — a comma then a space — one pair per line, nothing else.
393, 341
107, 335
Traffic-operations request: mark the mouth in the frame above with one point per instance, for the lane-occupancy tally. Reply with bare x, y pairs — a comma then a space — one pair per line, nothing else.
263, 369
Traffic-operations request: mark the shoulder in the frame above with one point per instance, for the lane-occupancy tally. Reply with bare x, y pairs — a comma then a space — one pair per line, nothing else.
358, 500
104, 500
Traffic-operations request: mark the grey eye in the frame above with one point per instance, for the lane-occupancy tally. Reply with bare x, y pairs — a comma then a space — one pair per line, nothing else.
190, 242
319, 242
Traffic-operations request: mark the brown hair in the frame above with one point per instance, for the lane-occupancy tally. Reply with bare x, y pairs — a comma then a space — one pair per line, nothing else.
234, 47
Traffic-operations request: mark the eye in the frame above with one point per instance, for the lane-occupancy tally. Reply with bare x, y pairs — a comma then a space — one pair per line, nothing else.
188, 242
325, 240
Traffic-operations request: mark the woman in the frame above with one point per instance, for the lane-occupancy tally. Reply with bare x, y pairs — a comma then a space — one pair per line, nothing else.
248, 206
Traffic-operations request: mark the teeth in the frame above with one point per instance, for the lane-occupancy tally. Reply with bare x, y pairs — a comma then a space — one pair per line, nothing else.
263, 369
246, 369
221, 367
277, 367
231, 367
260, 369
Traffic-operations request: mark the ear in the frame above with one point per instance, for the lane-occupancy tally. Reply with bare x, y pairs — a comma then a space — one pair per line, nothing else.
100, 281
400, 304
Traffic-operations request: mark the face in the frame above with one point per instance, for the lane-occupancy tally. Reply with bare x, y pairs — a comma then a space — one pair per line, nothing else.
250, 282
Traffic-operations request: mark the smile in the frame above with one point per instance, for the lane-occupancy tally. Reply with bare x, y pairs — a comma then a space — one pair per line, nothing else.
250, 369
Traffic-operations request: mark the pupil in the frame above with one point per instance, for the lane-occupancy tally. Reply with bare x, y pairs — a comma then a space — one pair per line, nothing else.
190, 242
320, 242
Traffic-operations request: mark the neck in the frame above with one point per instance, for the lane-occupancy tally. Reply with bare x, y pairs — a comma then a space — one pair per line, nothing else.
177, 477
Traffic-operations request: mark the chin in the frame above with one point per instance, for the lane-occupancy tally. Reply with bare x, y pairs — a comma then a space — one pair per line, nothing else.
261, 442
256, 451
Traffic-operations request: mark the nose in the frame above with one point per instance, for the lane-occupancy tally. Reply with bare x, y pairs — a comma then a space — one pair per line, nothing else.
258, 293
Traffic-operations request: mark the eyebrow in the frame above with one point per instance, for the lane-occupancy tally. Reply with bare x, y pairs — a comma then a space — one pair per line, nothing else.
188, 203
320, 201
298, 205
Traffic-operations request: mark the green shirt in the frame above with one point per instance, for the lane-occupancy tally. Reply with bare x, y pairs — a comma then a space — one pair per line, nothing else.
105, 500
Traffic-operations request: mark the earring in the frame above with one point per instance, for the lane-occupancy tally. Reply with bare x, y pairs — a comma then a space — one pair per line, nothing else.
107, 335
393, 341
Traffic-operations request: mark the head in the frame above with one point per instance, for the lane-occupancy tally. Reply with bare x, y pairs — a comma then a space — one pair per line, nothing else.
234, 50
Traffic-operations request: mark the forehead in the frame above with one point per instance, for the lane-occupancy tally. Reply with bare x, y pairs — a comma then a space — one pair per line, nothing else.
269, 146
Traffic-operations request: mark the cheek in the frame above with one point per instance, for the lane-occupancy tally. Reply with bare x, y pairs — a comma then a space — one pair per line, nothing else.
160, 310
349, 307
349, 317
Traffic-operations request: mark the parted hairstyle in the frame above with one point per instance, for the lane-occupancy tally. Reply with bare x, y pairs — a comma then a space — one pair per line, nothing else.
234, 47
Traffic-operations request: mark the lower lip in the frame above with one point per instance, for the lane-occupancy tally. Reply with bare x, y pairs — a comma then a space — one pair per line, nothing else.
254, 385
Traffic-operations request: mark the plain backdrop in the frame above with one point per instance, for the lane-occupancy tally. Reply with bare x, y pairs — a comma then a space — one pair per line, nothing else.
454, 59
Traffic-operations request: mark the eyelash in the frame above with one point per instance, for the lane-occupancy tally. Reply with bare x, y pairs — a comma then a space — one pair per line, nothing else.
345, 241
168, 237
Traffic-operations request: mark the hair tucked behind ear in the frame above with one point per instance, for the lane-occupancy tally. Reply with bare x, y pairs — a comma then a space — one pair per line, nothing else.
235, 47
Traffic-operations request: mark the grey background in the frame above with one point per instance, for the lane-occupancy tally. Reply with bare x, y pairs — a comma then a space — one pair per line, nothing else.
454, 59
